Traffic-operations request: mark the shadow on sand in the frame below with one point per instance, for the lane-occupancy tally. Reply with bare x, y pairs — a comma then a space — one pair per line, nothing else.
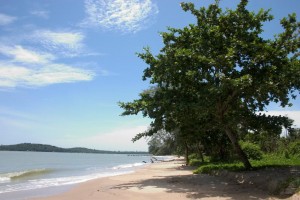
205, 186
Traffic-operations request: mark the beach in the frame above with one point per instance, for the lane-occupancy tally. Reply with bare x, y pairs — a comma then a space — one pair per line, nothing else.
165, 180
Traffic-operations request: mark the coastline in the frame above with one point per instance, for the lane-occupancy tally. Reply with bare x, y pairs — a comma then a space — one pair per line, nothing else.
161, 181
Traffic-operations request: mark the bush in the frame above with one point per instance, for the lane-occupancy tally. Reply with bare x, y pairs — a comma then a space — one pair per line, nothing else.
211, 168
252, 150
286, 154
267, 161
274, 160
193, 156
294, 148
195, 162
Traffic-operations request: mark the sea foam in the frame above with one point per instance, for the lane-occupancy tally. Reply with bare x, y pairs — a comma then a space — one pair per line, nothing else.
125, 166
50, 182
23, 174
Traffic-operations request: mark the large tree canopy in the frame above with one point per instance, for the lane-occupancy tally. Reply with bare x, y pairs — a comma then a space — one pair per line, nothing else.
218, 73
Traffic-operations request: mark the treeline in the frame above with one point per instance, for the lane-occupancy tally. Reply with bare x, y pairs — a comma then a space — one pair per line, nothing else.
254, 145
50, 148
212, 81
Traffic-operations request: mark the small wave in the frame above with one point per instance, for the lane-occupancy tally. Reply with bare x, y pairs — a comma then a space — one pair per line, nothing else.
128, 166
163, 158
4, 179
23, 174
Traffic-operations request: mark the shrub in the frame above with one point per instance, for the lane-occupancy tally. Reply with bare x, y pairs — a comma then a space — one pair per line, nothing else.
195, 162
252, 150
286, 154
193, 156
211, 168
268, 160
294, 148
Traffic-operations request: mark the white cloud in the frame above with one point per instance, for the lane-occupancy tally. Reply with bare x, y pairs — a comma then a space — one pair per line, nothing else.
20, 54
58, 73
27, 68
65, 39
12, 75
294, 115
40, 13
122, 15
118, 139
69, 43
6, 19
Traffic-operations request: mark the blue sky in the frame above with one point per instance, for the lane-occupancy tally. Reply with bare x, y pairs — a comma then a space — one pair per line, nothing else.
65, 64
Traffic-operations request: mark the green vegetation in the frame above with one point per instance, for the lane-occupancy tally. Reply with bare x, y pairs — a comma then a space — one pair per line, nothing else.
50, 148
280, 156
210, 83
265, 162
252, 150
294, 149
293, 181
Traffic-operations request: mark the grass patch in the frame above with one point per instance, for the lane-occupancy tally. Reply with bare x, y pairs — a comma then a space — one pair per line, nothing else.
209, 168
275, 161
265, 162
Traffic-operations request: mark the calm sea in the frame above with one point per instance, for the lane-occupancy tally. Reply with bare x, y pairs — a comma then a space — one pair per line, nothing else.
26, 175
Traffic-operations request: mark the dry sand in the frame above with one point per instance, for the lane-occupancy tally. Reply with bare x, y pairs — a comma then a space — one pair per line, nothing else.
165, 180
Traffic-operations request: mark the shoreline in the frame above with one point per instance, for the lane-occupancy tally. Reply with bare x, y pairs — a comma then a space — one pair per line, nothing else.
160, 181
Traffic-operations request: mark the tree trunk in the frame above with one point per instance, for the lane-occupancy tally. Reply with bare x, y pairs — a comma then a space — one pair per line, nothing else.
200, 151
238, 148
187, 160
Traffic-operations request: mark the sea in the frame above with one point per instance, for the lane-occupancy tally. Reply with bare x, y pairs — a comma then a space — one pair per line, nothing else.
27, 175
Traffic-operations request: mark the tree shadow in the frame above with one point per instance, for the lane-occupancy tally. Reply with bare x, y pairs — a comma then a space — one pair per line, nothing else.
201, 186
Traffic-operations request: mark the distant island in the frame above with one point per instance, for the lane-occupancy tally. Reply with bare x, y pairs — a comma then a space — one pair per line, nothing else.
50, 148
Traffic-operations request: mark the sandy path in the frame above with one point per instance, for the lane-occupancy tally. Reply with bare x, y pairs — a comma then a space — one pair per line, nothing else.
167, 180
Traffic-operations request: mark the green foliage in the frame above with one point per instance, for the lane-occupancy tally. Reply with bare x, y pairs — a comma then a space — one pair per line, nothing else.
195, 162
267, 161
275, 160
288, 148
162, 143
252, 150
294, 134
213, 76
193, 156
286, 154
294, 148
210, 168
268, 141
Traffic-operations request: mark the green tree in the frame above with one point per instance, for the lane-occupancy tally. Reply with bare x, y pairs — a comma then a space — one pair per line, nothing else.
293, 134
218, 72
162, 143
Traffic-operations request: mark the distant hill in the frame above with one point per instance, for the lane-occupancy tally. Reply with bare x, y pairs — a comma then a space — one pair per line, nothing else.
50, 148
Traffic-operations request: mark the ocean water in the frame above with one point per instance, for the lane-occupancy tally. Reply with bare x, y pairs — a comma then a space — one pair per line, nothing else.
25, 175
